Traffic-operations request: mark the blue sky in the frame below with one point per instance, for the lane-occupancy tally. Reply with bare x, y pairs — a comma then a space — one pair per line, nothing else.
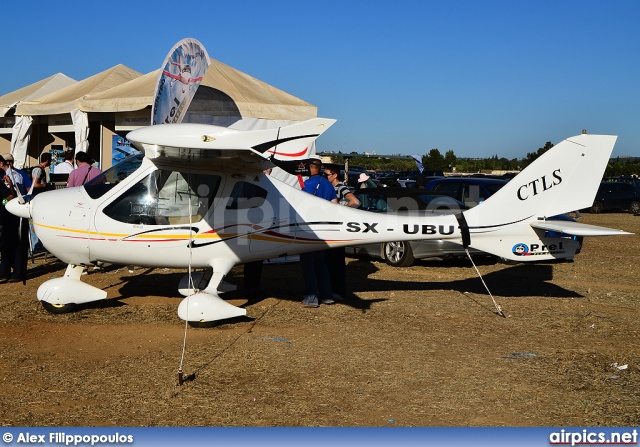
481, 78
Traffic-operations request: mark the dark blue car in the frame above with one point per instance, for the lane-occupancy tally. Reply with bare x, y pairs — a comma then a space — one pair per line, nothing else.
471, 191
616, 196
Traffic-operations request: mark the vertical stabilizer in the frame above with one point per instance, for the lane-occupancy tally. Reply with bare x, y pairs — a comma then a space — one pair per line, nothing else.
563, 179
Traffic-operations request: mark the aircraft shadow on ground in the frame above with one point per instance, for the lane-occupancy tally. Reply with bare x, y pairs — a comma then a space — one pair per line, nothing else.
285, 282
522, 280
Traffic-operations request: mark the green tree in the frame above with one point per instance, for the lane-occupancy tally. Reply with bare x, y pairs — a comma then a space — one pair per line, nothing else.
435, 160
451, 159
532, 156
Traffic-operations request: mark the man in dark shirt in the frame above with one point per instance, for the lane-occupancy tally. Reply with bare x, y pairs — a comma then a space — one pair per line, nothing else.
317, 285
11, 262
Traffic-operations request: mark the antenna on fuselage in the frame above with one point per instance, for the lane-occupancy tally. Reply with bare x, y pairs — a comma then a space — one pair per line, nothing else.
275, 148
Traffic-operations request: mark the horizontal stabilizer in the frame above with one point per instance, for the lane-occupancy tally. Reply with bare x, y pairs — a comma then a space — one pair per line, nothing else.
575, 228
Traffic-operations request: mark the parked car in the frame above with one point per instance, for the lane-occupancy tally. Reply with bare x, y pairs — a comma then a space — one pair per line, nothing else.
417, 179
415, 201
635, 181
389, 179
403, 254
616, 196
418, 183
471, 191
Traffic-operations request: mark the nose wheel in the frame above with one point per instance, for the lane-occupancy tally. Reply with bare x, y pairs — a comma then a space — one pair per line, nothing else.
56, 308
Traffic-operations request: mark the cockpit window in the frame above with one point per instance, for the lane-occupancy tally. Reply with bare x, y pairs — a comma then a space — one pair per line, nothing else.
166, 198
99, 185
246, 196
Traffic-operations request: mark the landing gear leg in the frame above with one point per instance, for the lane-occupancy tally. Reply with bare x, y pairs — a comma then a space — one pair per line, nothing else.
206, 305
60, 295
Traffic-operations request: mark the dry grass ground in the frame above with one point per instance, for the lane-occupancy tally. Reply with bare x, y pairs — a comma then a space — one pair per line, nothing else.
418, 346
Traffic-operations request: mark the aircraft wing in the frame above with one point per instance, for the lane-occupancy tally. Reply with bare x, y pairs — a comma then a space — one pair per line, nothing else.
190, 140
575, 228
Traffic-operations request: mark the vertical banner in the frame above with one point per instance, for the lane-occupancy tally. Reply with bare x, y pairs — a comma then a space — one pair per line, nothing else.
418, 159
182, 72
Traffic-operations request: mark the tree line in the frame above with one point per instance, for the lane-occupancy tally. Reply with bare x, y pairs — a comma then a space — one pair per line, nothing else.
447, 162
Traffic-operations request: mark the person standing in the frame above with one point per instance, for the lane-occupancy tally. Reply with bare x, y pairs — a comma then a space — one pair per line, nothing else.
15, 174
317, 285
67, 165
11, 263
84, 172
336, 257
252, 276
39, 174
344, 195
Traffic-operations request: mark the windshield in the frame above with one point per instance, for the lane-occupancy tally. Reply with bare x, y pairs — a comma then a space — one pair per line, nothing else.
166, 197
99, 185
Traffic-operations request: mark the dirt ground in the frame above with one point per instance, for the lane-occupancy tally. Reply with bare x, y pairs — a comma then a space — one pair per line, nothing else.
417, 346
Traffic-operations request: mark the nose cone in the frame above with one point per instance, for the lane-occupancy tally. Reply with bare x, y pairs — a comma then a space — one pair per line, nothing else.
20, 209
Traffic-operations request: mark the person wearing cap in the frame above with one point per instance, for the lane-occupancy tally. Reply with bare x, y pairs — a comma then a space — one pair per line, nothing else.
11, 262
84, 172
67, 165
336, 257
17, 176
317, 285
362, 181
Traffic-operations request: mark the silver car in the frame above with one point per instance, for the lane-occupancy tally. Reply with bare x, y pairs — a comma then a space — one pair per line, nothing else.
416, 202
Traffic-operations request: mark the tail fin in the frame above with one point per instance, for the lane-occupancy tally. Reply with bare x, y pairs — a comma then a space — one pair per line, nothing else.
564, 179
512, 222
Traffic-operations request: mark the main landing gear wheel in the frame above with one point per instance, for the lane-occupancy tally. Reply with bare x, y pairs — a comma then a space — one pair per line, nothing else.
58, 308
202, 324
398, 254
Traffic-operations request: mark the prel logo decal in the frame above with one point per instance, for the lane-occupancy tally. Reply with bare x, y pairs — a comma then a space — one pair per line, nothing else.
521, 250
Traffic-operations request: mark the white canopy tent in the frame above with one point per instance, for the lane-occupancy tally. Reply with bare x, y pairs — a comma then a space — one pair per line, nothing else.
34, 91
21, 131
20, 138
81, 129
64, 100
225, 96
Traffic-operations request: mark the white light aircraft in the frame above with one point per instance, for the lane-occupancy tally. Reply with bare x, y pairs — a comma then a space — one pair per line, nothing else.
199, 198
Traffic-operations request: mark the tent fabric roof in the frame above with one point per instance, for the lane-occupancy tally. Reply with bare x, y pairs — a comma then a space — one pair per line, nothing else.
65, 99
254, 98
230, 92
133, 95
34, 91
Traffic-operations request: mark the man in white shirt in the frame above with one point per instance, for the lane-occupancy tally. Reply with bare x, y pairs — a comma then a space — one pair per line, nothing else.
67, 166
14, 174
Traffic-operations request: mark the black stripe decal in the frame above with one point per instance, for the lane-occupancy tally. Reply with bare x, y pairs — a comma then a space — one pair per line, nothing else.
264, 147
